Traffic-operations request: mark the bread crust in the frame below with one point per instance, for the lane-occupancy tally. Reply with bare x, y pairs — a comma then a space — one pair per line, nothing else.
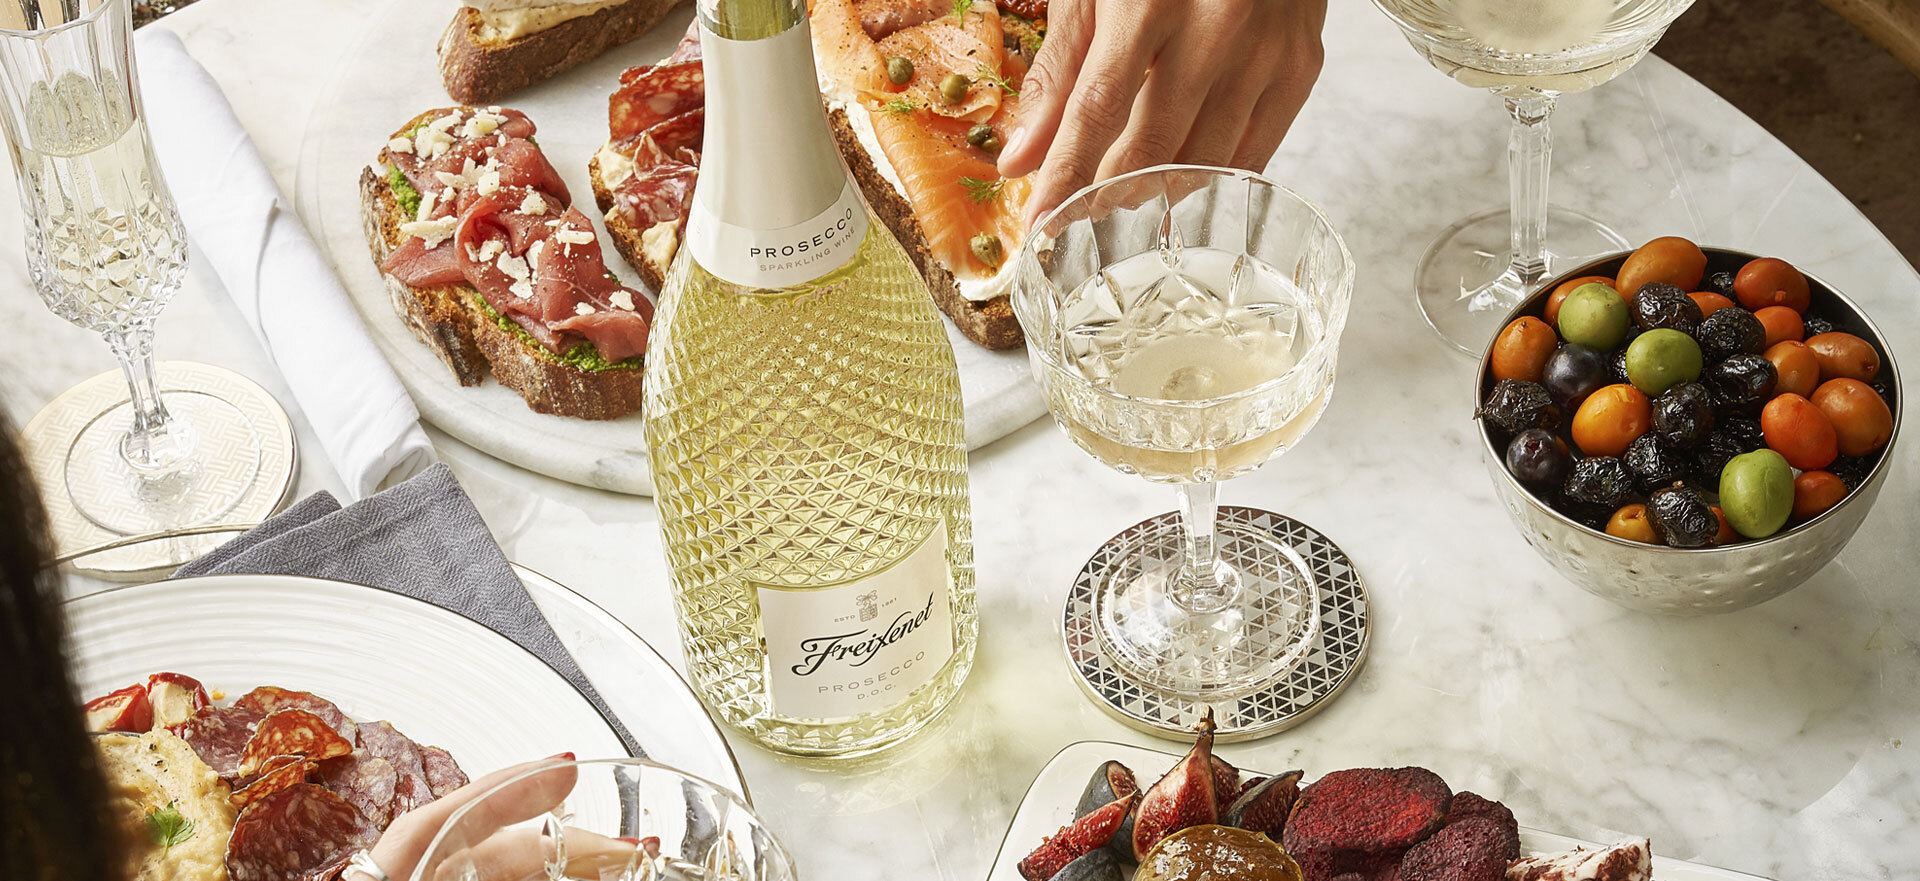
477, 72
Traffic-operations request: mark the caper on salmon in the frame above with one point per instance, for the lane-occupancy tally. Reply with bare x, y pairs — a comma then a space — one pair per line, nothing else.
987, 247
899, 70
953, 88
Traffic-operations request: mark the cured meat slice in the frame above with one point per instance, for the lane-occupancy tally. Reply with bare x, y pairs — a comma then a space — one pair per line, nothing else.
366, 781
278, 773
268, 699
660, 195
653, 95
688, 48
304, 832
881, 18
411, 789
291, 733
417, 265
219, 736
443, 773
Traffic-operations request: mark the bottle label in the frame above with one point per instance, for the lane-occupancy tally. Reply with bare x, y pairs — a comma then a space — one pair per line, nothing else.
865, 646
784, 257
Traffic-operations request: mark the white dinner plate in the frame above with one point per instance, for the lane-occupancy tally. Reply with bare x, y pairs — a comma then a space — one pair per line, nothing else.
390, 76
1050, 801
439, 677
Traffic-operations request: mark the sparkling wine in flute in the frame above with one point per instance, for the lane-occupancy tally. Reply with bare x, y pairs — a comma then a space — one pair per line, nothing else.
804, 422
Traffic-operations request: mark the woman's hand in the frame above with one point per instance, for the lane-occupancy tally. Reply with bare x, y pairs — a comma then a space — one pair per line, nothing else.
1120, 85
405, 842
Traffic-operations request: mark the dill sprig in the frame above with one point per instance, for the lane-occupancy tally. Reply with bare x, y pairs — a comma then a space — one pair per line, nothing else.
983, 191
960, 8
987, 75
898, 107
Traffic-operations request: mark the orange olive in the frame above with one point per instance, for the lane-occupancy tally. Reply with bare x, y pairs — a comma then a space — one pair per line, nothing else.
1861, 419
1521, 351
1709, 302
1610, 419
1814, 492
1796, 366
1770, 281
1551, 311
1781, 324
1671, 259
1727, 534
1631, 523
1843, 354
1799, 432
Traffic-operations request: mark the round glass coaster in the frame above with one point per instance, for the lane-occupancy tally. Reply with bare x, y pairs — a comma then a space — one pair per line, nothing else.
1329, 663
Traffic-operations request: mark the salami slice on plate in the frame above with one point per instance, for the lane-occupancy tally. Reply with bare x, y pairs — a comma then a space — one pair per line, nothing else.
443, 773
366, 781
655, 94
219, 736
278, 773
411, 790
270, 699
302, 833
292, 733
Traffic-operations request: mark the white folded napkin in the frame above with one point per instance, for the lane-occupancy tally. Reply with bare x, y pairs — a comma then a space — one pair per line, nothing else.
276, 276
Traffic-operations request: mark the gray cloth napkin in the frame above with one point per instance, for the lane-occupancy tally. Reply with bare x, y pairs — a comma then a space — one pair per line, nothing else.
422, 539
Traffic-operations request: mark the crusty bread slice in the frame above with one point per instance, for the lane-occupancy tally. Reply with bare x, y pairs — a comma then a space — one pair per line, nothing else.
478, 71
452, 321
991, 323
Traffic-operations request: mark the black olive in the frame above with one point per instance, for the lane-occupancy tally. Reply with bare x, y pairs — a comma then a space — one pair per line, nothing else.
1572, 373
1682, 517
1730, 331
1600, 480
1538, 458
1746, 431
1852, 470
1815, 325
1720, 283
1517, 405
1741, 383
1683, 415
1654, 462
1710, 457
1658, 304
1617, 367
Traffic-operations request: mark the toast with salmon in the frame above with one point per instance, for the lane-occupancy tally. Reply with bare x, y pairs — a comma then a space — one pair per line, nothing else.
923, 155
491, 267
493, 48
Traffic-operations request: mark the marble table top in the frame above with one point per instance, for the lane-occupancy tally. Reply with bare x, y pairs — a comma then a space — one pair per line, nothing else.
1783, 740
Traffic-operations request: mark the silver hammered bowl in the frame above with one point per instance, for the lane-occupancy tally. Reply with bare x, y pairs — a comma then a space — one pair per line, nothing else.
1703, 581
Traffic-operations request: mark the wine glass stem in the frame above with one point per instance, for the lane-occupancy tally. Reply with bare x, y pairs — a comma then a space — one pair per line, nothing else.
156, 443
1529, 162
1205, 584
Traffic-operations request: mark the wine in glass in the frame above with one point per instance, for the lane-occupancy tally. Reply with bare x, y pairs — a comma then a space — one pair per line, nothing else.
1183, 324
1528, 52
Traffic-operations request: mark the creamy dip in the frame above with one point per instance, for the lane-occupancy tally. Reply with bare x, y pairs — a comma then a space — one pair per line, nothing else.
157, 771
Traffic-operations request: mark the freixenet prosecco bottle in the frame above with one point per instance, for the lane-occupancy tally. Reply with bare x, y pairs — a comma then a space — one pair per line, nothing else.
803, 417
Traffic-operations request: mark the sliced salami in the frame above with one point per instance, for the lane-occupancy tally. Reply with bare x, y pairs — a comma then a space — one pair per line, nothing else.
655, 95
269, 699
304, 832
411, 789
366, 781
443, 773
219, 736
292, 733
278, 773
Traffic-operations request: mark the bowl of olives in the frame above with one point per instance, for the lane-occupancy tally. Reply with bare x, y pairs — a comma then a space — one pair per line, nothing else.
1688, 431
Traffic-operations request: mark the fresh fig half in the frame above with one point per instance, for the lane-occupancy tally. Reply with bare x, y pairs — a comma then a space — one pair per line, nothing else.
1110, 783
1226, 783
1089, 833
1263, 807
1098, 864
1184, 797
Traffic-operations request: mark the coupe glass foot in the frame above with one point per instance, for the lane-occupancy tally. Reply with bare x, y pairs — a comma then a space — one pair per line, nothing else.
1463, 284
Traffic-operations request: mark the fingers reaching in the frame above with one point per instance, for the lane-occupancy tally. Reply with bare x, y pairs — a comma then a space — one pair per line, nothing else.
406, 841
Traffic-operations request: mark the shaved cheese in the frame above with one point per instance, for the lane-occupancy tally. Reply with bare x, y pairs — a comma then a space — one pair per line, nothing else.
400, 144
433, 232
482, 124
490, 249
573, 235
488, 183
533, 255
621, 298
533, 204
583, 309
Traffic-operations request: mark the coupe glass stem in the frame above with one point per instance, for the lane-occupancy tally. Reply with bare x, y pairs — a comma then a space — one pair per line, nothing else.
157, 443
1205, 584
1529, 162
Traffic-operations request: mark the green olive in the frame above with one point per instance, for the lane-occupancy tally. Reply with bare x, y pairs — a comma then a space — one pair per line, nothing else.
1661, 359
1593, 315
979, 134
1756, 492
953, 89
986, 246
899, 70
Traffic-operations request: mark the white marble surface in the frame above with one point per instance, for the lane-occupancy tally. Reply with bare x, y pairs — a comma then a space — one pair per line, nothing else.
1783, 740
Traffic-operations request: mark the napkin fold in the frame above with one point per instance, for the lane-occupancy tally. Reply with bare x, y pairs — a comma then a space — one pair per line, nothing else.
423, 539
271, 269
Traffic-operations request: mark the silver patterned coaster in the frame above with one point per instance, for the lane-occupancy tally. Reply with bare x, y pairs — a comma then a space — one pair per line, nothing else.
1329, 665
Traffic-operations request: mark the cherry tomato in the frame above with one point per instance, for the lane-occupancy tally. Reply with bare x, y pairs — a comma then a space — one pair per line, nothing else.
1781, 324
1551, 311
1671, 259
1843, 354
1861, 419
1709, 302
1816, 491
1522, 349
1631, 523
1799, 432
1610, 419
1727, 534
1770, 281
1798, 369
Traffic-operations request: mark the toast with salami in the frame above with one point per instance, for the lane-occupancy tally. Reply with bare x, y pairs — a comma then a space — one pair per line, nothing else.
493, 48
492, 267
923, 155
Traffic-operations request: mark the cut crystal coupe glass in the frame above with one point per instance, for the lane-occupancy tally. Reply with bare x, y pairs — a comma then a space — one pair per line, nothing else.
1183, 324
1528, 52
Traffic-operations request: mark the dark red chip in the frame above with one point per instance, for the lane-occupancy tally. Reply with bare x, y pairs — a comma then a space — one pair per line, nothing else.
302, 833
219, 736
278, 773
1473, 849
292, 733
268, 699
366, 781
443, 773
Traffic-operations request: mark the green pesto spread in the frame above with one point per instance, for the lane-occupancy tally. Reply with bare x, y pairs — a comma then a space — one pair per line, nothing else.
583, 356
403, 191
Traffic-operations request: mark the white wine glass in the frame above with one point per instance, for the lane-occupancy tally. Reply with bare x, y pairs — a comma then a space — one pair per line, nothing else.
107, 251
1527, 52
1183, 323
607, 820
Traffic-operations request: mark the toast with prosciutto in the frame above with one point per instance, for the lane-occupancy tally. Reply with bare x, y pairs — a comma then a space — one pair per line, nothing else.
920, 95
492, 267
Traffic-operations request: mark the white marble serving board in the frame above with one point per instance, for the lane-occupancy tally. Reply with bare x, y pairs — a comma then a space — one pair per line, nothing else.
1049, 805
390, 76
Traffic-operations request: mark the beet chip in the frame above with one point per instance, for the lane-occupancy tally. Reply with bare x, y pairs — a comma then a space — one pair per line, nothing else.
1368, 810
1473, 849
1466, 805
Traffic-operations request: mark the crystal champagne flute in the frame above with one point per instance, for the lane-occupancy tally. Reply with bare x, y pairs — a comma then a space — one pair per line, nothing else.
1528, 52
1183, 323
